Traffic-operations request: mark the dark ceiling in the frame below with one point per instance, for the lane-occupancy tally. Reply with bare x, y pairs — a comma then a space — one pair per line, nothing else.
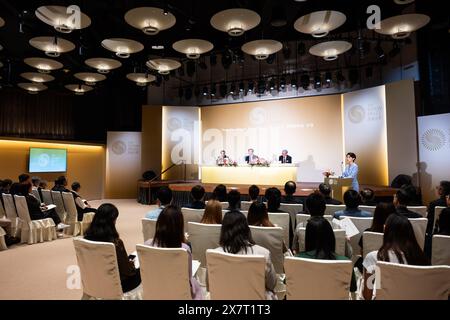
193, 18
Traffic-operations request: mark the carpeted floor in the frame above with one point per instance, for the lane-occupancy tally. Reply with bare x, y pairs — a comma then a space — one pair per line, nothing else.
39, 271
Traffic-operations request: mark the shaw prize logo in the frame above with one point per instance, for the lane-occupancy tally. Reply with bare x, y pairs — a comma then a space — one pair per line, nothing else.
356, 114
433, 139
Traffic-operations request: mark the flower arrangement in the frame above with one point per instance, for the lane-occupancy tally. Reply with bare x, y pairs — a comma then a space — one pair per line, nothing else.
226, 162
261, 162
328, 173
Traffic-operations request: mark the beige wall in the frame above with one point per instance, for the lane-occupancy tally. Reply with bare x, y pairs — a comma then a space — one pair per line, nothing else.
401, 128
151, 138
85, 164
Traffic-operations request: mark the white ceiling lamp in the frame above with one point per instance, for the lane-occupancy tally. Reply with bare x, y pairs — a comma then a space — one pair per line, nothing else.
150, 20
403, 1
90, 78
262, 49
103, 65
163, 66
330, 50
32, 88
63, 19
78, 89
141, 79
43, 65
2, 22
235, 21
37, 77
400, 27
52, 46
193, 48
320, 23
122, 47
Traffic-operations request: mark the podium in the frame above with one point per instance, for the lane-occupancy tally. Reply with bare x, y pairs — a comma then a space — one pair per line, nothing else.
339, 186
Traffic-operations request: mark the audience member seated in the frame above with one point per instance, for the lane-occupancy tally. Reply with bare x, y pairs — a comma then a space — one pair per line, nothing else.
60, 184
368, 197
236, 238
35, 209
35, 182
253, 192
234, 200
401, 201
399, 246
169, 233
443, 224
220, 193
103, 229
42, 185
5, 186
352, 200
213, 213
197, 197
82, 205
289, 189
24, 178
273, 197
443, 190
325, 190
15, 189
415, 195
164, 198
320, 243
258, 216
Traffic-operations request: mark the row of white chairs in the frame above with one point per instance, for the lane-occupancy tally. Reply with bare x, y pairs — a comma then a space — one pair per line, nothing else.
165, 276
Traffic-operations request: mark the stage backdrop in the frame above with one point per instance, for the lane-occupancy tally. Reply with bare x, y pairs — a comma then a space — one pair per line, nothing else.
434, 151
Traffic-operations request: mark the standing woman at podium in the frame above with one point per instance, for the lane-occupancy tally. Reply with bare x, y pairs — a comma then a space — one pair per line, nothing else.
351, 170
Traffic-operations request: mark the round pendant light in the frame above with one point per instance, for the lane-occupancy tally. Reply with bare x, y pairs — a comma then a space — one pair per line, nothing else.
43, 65
403, 1
37, 77
163, 66
401, 26
193, 48
52, 46
330, 50
32, 88
90, 78
235, 21
122, 47
261, 49
150, 20
63, 19
78, 89
320, 23
103, 65
141, 79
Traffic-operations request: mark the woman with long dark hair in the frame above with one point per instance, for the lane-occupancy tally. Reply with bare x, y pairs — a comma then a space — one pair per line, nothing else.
381, 213
236, 238
169, 233
220, 193
258, 216
399, 246
103, 228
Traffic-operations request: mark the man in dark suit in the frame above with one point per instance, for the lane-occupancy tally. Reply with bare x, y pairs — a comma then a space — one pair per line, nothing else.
401, 201
251, 158
325, 190
285, 158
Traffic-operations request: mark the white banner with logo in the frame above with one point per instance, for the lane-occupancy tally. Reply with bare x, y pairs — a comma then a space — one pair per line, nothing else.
434, 152
123, 164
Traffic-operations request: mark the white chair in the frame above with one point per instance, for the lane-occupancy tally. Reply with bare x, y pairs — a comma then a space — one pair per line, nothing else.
440, 250
148, 228
58, 202
292, 209
332, 208
245, 213
164, 273
303, 218
235, 277
362, 224
281, 219
47, 197
339, 235
271, 238
33, 231
191, 215
72, 215
372, 241
11, 214
370, 209
224, 205
422, 210
245, 205
203, 237
99, 271
311, 279
36, 194
437, 213
420, 227
2, 211
2, 240
405, 282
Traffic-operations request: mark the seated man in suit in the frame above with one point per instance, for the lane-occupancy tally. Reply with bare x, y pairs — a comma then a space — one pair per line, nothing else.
198, 198
164, 196
325, 190
285, 158
289, 189
60, 184
251, 158
352, 200
82, 205
368, 197
401, 201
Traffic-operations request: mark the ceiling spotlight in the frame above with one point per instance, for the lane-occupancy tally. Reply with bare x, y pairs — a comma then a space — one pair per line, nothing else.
241, 86
205, 91
272, 85
294, 82
150, 20
163, 66
317, 81
32, 88
158, 47
213, 90
52, 46
36, 77
141, 79
235, 21
328, 77
282, 83
251, 86
90, 78
43, 65
78, 89
400, 27
304, 80
122, 47
330, 50
232, 88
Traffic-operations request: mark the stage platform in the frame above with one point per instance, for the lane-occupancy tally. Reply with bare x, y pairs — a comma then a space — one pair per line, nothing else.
181, 190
